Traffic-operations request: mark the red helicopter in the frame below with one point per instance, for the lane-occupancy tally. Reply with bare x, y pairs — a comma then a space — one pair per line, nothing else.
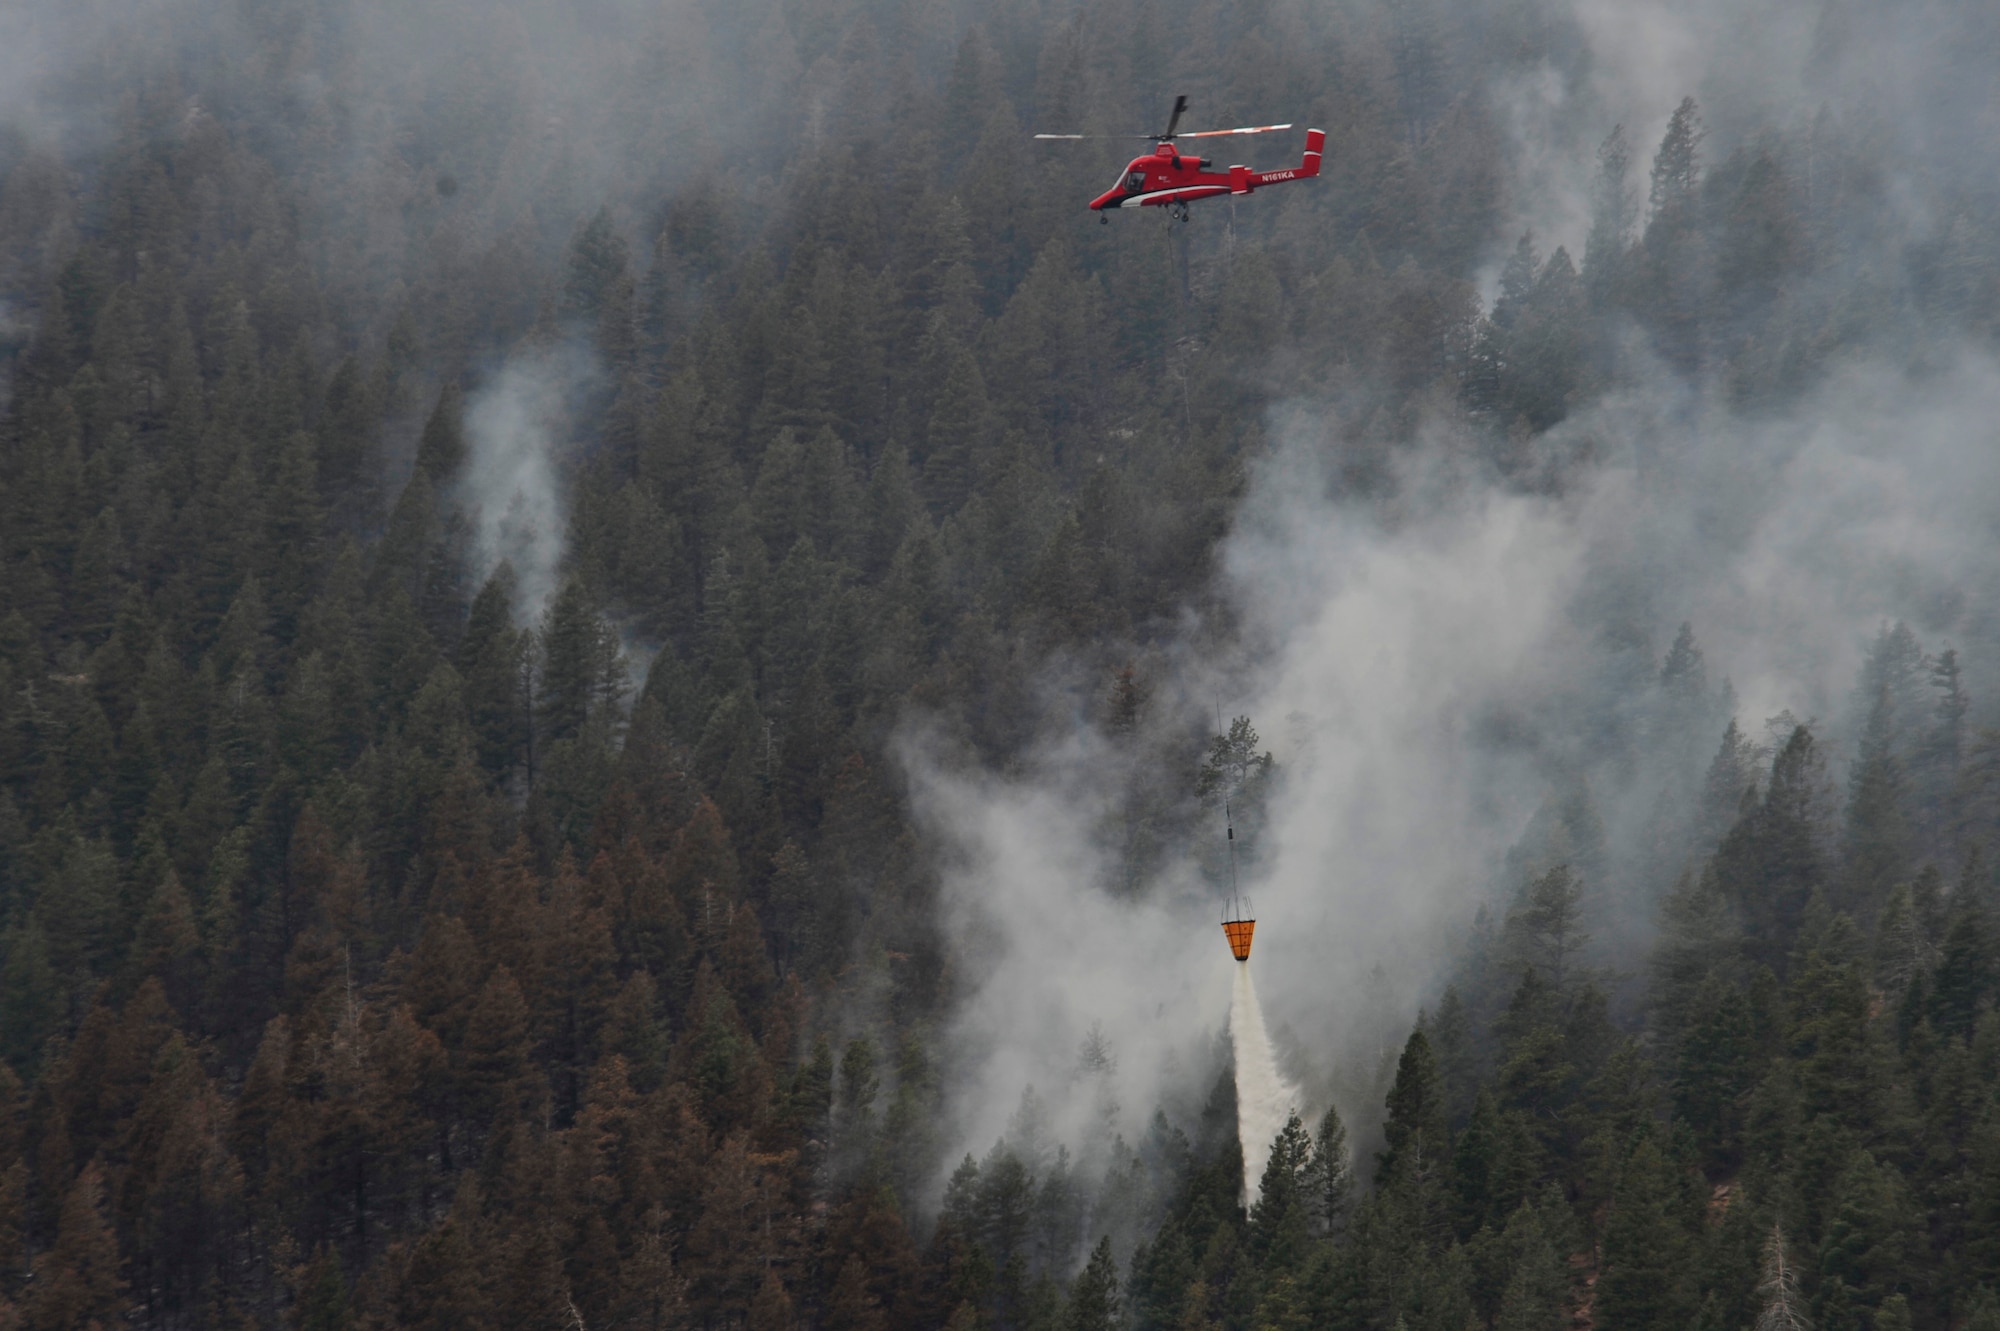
1166, 178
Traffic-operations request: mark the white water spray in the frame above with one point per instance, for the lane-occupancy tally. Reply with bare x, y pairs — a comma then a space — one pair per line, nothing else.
1263, 1100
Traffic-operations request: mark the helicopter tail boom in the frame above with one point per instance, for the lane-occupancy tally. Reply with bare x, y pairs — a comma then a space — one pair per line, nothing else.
1242, 180
1307, 168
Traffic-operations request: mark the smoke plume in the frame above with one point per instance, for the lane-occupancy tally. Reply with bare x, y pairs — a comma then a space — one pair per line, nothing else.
516, 428
1432, 663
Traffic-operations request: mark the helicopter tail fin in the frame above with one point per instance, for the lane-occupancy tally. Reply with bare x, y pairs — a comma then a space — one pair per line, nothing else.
1315, 143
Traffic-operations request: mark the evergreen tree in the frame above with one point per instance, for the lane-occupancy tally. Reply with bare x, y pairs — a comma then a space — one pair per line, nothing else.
583, 670
1645, 1278
1677, 167
441, 449
1281, 1217
1674, 278
1611, 218
1877, 837
1770, 864
1329, 1176
1417, 1138
1094, 1304
1536, 1296
77, 1285
1965, 974
1542, 928
1728, 781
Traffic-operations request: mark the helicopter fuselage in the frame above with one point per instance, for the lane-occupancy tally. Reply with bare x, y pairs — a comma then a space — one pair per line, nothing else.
1168, 176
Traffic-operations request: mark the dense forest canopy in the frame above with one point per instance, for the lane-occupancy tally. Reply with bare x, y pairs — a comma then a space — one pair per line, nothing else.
625, 636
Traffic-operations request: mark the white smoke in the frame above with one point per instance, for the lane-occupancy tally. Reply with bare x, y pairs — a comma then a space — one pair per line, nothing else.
1395, 643
1429, 667
516, 429
1447, 661
1048, 958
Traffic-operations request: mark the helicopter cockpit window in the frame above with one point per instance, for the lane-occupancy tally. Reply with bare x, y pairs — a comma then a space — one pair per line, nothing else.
1135, 182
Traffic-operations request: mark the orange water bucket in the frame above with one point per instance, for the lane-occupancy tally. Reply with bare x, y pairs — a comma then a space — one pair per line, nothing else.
1238, 932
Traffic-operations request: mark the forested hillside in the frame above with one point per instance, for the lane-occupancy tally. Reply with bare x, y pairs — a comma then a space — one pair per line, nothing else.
484, 493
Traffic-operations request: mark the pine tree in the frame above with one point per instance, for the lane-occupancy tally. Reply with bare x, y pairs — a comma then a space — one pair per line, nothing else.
1644, 1282
1672, 286
1677, 167
1715, 1070
1698, 932
1329, 1176
1877, 836
348, 474
1940, 754
1866, 1248
77, 1285
599, 270
1416, 1135
1770, 863
1966, 968
1281, 1217
323, 1302
1542, 928
1517, 282
956, 444
771, 1310
441, 448
489, 659
1723, 788
581, 962
653, 1294
497, 1074
1536, 1294
1610, 218
583, 670
1684, 675
1094, 1304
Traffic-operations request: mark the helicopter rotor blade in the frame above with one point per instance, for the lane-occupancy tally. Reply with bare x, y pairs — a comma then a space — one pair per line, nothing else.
1248, 129
1173, 121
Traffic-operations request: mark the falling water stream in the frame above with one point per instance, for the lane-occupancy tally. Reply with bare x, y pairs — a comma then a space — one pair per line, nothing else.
1263, 1100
